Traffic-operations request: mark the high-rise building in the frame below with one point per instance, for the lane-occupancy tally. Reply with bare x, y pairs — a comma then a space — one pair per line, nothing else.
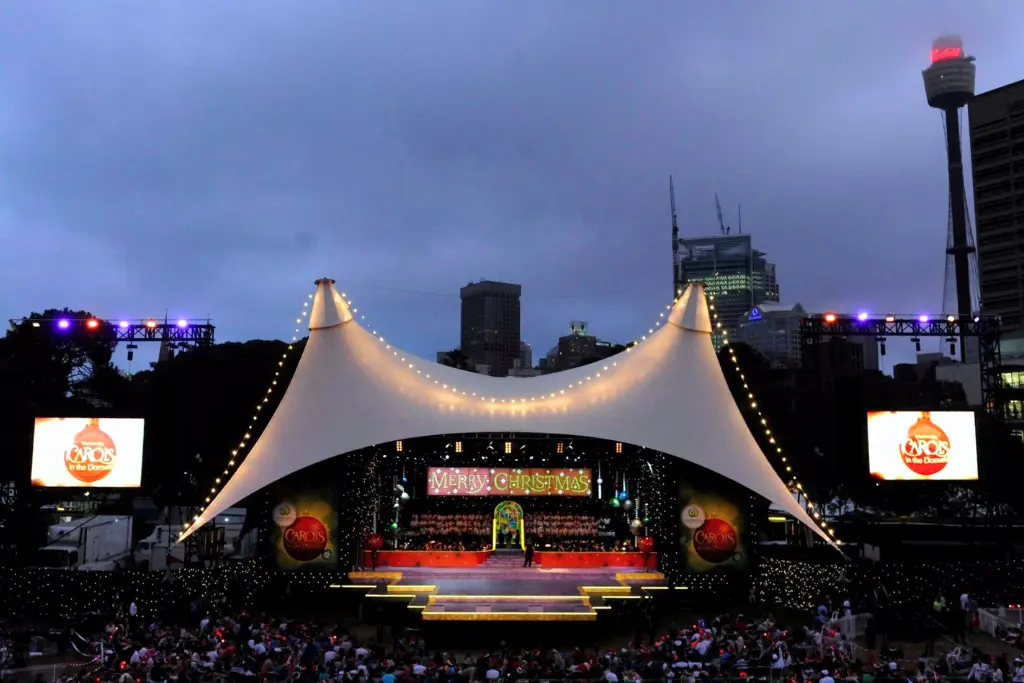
997, 161
491, 325
773, 330
577, 348
737, 275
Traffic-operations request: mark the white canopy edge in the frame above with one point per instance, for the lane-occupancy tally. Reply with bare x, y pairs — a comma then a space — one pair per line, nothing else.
352, 390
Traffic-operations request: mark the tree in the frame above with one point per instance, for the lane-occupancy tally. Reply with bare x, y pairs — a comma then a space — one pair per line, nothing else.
203, 401
46, 369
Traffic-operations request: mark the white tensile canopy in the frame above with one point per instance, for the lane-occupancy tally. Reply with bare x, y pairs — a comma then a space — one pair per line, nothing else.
352, 390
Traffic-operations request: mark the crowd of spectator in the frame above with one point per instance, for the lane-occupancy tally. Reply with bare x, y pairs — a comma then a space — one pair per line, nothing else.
245, 647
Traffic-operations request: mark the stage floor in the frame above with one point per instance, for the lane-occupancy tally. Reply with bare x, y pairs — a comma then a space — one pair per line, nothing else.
506, 593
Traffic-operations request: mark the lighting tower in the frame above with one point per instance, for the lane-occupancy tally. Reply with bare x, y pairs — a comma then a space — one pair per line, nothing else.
949, 85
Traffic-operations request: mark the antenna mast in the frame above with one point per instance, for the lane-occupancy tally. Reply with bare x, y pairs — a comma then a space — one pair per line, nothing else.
675, 239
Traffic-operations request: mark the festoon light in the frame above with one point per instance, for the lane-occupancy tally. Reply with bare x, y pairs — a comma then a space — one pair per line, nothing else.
796, 486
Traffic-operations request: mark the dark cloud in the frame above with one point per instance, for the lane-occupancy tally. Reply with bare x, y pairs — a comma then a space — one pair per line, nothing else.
214, 158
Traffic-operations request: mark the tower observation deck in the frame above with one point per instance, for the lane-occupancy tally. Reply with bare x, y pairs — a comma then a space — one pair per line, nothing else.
949, 86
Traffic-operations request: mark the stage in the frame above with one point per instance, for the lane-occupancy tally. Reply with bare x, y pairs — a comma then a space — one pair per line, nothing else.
502, 589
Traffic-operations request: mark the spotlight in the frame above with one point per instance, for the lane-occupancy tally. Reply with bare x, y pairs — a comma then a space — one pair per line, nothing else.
862, 317
618, 447
950, 319
398, 447
123, 324
182, 323
830, 317
560, 447
890, 318
63, 324
151, 324
922, 318
458, 446
35, 324
92, 324
508, 447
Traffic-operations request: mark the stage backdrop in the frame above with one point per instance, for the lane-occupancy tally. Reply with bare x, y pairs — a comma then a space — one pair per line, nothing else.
713, 529
305, 530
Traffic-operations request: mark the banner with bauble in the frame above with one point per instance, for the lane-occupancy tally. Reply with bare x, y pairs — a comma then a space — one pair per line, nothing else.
712, 531
305, 531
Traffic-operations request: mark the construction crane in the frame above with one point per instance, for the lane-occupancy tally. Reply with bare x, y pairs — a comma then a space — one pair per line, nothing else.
721, 221
675, 239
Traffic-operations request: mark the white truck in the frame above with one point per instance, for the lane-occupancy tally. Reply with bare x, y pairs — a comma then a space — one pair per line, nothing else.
97, 543
160, 550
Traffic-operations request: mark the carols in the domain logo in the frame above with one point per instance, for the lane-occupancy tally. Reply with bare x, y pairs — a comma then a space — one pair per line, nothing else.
926, 449
92, 454
305, 539
715, 541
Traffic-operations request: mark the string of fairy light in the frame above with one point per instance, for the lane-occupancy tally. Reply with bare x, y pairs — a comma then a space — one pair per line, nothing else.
769, 435
237, 453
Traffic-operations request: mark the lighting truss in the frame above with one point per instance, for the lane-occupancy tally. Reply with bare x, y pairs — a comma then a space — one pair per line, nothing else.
817, 329
180, 332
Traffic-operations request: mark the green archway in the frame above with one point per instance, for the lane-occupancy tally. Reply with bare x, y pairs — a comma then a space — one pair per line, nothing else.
509, 521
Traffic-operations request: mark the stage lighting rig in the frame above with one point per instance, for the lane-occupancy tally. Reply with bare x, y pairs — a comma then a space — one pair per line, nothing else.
818, 329
181, 333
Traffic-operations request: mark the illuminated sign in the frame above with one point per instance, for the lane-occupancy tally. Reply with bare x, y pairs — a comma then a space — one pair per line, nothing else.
941, 54
755, 314
503, 481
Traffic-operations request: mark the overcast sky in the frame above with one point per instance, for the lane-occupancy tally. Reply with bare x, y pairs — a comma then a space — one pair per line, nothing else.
214, 158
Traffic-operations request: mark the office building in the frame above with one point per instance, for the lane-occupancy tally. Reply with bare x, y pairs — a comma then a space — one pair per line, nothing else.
577, 348
525, 355
737, 275
997, 160
491, 325
773, 330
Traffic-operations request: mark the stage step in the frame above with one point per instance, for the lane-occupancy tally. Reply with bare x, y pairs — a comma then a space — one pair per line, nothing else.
505, 558
508, 608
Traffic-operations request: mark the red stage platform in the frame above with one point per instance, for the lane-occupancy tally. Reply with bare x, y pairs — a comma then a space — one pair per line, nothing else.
426, 558
558, 560
548, 560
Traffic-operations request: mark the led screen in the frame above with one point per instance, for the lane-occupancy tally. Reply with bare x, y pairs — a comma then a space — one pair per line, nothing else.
87, 452
922, 445
305, 532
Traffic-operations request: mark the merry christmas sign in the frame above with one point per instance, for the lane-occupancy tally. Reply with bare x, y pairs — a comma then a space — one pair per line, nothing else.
504, 481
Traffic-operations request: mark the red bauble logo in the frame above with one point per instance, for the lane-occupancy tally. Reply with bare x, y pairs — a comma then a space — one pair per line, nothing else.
715, 541
306, 539
926, 449
92, 455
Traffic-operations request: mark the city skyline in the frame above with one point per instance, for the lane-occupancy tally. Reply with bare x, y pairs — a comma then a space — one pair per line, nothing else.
206, 161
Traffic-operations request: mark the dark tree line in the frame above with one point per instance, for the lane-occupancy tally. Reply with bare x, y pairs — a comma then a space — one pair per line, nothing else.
822, 428
197, 405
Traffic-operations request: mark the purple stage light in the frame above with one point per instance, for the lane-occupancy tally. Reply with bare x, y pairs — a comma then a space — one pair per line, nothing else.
63, 324
862, 317
923, 318
123, 324
182, 323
